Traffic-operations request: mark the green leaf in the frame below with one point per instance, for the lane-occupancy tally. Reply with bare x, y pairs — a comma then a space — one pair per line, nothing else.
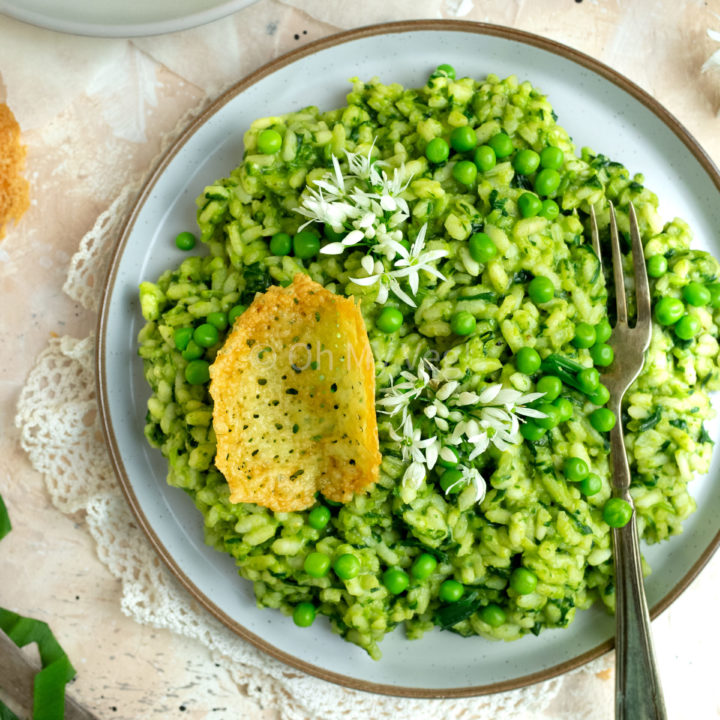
49, 690
651, 420
456, 612
6, 713
704, 436
564, 368
5, 526
23, 631
57, 671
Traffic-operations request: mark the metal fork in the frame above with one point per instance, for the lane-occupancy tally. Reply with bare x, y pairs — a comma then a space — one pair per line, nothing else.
637, 685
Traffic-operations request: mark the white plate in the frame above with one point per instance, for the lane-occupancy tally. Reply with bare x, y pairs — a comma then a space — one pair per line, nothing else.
120, 18
600, 109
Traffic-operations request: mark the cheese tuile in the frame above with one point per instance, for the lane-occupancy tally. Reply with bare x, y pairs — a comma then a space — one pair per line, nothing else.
294, 400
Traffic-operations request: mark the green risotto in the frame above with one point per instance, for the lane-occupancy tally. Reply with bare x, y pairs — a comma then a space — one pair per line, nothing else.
457, 215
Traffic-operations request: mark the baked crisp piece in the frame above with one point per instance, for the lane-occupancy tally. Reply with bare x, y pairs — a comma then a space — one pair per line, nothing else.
294, 400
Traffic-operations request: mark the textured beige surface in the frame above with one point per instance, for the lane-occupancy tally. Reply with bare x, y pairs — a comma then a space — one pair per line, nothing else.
94, 112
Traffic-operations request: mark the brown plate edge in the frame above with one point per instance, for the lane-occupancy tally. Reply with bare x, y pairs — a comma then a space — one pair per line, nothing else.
522, 36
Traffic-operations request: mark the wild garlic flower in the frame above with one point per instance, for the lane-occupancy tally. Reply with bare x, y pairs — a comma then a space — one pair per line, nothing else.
408, 266
473, 477
368, 207
466, 423
414, 446
397, 397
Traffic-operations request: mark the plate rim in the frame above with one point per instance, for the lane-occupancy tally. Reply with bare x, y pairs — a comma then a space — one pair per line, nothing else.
122, 30
513, 34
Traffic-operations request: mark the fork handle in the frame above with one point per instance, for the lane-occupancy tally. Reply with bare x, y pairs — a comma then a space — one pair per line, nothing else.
638, 695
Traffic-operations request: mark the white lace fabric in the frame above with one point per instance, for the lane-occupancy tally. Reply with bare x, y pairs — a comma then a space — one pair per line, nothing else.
59, 421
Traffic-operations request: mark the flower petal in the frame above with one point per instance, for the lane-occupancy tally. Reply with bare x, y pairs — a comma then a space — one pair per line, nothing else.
400, 293
334, 248
446, 390
530, 412
367, 264
371, 280
489, 394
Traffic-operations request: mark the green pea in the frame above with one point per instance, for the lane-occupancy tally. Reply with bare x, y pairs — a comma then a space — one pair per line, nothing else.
306, 244
565, 407
599, 396
437, 150
714, 289
501, 144
575, 469
585, 335
669, 310
527, 360
602, 354
235, 312
551, 419
656, 266
522, 581
193, 351
463, 139
549, 209
185, 241
550, 385
451, 591
484, 158
317, 564
526, 162
182, 337
281, 244
206, 335
218, 320
531, 431
447, 70
451, 481
197, 372
493, 615
588, 379
482, 248
465, 172
603, 419
687, 327
603, 331
617, 512
424, 566
541, 290
304, 614
529, 205
591, 485
347, 566
389, 320
463, 323
269, 141
318, 517
696, 294
547, 181
552, 157
395, 580
449, 463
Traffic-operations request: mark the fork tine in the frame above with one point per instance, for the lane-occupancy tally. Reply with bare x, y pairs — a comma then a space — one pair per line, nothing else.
595, 235
618, 274
642, 284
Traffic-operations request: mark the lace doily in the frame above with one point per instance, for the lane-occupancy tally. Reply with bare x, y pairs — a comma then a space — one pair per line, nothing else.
59, 421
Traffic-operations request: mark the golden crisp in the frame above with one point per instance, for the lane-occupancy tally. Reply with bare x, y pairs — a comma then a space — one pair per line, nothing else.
14, 188
294, 400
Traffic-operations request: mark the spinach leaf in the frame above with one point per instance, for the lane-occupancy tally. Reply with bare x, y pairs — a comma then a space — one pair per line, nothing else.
456, 612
